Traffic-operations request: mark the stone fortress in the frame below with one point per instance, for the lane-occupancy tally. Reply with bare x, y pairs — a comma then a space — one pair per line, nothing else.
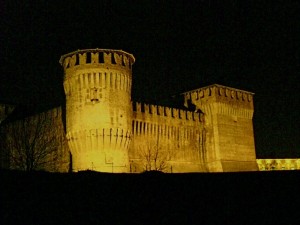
107, 132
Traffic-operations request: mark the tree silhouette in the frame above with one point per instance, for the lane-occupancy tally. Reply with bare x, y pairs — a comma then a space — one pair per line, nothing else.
31, 143
154, 157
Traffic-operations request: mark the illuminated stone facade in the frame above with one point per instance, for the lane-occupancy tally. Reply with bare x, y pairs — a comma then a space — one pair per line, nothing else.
37, 142
105, 133
278, 164
97, 85
229, 130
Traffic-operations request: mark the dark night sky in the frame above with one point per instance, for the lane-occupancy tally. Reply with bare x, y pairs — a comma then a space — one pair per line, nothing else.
178, 45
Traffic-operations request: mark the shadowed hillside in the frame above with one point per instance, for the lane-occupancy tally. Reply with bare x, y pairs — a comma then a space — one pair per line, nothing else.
152, 198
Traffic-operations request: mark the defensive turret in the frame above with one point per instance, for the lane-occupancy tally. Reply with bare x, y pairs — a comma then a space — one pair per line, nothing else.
97, 85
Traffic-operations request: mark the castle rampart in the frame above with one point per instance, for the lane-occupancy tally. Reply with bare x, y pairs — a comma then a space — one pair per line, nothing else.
176, 131
104, 57
36, 142
227, 101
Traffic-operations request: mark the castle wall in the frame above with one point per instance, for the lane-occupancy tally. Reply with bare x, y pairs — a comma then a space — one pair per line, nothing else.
175, 132
62, 161
228, 114
45, 142
278, 164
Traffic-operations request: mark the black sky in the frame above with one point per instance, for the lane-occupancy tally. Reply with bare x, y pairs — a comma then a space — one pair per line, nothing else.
178, 45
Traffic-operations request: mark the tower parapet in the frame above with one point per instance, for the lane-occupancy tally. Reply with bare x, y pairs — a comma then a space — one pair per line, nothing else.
106, 57
97, 84
227, 100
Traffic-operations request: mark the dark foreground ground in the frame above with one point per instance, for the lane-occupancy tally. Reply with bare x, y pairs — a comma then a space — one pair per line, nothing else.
96, 198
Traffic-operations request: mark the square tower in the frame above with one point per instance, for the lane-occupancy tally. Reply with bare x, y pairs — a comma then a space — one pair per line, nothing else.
229, 129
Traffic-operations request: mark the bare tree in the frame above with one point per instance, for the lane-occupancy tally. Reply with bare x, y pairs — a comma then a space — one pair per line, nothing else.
154, 157
31, 143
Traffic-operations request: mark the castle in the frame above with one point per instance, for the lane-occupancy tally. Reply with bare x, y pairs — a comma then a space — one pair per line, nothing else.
107, 132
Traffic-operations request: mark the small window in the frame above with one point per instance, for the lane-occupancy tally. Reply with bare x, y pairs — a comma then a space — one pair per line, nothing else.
93, 95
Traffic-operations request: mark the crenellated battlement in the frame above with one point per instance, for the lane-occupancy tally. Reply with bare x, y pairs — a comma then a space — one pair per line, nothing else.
220, 92
222, 100
97, 57
164, 111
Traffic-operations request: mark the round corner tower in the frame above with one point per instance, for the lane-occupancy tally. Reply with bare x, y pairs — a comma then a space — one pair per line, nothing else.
97, 85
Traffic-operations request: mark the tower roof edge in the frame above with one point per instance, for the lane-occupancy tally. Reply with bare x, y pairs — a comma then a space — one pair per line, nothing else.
96, 50
219, 86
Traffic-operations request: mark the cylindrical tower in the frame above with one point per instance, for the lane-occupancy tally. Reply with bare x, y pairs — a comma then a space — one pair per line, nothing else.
97, 84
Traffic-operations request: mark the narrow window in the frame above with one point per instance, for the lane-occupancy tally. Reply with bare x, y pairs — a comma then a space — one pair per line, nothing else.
94, 93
